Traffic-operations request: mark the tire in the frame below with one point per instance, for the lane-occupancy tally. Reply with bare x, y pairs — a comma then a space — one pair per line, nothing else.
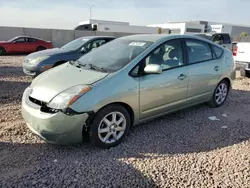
2, 51
40, 48
221, 91
242, 72
247, 73
103, 127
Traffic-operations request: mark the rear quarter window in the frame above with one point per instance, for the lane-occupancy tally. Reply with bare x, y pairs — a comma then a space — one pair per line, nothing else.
217, 51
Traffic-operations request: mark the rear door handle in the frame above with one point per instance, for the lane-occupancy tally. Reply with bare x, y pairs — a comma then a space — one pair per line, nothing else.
216, 68
182, 77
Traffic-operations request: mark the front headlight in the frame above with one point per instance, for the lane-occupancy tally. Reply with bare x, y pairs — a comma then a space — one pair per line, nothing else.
68, 97
38, 60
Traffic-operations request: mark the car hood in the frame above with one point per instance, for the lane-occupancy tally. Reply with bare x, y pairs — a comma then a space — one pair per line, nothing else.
48, 52
4, 42
52, 82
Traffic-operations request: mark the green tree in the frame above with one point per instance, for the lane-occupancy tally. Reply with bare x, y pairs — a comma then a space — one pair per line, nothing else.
243, 34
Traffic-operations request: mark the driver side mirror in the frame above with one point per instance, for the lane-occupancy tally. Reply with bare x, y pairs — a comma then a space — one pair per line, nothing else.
153, 69
83, 50
93, 49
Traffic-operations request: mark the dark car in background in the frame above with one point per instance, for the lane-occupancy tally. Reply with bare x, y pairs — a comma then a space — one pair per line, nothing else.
39, 62
23, 45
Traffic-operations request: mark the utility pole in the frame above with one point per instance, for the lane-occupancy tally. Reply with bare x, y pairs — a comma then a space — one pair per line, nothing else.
90, 11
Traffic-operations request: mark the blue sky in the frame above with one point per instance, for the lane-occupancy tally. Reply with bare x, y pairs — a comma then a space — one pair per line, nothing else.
67, 13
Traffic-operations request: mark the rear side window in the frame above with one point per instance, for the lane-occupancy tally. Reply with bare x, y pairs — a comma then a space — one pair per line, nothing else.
218, 51
227, 39
32, 40
198, 51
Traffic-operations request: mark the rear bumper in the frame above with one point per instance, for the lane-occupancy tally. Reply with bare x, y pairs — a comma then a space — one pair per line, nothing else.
243, 65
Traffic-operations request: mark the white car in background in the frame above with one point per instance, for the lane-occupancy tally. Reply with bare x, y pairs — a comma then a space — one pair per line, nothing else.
241, 54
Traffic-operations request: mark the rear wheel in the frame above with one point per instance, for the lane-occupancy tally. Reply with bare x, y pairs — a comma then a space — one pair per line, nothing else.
247, 73
2, 51
220, 94
40, 48
110, 126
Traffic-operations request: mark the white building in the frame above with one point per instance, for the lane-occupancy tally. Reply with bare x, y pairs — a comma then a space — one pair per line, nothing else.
186, 27
181, 28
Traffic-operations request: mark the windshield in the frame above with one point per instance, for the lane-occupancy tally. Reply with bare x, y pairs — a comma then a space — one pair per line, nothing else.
75, 44
114, 55
11, 40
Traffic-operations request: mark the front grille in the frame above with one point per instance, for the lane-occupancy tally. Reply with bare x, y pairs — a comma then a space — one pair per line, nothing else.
43, 106
35, 101
48, 110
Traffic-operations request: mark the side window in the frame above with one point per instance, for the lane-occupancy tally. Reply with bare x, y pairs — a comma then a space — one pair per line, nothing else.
95, 44
227, 39
198, 51
168, 55
31, 40
20, 40
218, 39
218, 51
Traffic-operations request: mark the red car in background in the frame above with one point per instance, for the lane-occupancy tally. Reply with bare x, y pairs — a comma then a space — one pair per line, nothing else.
23, 44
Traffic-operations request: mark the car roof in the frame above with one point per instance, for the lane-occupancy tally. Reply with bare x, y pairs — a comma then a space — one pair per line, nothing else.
158, 37
96, 37
29, 37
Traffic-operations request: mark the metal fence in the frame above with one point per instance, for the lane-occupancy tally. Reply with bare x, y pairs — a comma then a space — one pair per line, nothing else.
241, 39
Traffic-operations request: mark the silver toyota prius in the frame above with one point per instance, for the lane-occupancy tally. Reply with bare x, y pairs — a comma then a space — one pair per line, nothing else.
123, 83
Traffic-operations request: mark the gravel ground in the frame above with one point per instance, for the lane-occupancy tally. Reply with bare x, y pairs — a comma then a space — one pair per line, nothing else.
184, 149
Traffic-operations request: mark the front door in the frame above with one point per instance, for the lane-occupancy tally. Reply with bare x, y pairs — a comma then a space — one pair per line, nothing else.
204, 70
20, 45
160, 93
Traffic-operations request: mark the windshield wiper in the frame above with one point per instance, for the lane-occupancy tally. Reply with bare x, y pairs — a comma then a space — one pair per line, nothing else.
94, 67
76, 63
91, 66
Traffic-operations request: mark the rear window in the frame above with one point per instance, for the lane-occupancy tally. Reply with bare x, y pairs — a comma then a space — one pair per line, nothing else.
226, 39
218, 51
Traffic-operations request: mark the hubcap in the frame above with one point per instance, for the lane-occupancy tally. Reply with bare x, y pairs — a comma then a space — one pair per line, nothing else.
112, 127
221, 93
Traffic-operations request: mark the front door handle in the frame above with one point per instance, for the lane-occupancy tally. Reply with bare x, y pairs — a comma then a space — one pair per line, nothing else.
216, 68
182, 77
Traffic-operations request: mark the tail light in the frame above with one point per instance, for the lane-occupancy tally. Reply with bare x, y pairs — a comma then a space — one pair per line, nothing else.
235, 50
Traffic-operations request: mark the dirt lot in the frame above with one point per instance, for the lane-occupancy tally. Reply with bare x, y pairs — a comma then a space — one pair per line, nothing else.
185, 149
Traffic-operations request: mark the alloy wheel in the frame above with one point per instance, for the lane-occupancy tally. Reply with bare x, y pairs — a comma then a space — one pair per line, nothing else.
112, 127
221, 93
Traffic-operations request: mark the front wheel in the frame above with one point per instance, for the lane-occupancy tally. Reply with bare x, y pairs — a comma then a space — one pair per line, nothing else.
247, 73
2, 51
110, 126
220, 94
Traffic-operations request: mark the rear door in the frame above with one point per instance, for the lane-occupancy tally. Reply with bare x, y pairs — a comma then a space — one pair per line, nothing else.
32, 45
204, 70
